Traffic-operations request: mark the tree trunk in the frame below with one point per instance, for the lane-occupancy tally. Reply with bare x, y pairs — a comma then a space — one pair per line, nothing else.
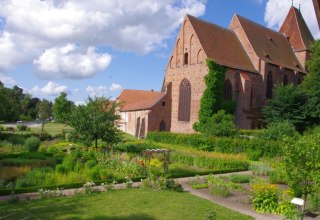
304, 205
96, 143
42, 127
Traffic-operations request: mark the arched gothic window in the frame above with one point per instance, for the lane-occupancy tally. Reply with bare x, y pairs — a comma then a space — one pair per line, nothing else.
269, 85
162, 126
184, 101
185, 60
285, 80
227, 90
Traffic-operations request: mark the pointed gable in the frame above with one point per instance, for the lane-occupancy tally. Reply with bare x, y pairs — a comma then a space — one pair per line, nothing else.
221, 45
270, 46
297, 31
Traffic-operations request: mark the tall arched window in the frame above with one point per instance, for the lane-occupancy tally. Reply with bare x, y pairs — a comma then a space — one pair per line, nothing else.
184, 101
269, 85
285, 80
162, 126
227, 90
185, 59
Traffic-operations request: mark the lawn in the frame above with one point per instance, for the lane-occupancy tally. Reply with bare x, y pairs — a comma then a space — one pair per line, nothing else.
52, 128
121, 204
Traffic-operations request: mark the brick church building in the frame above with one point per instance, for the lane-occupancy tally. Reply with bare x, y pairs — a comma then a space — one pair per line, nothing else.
256, 58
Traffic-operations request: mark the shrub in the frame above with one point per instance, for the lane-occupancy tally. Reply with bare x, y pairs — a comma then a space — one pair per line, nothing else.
217, 186
61, 169
1, 128
260, 169
17, 139
200, 186
279, 130
90, 164
33, 144
265, 198
240, 178
10, 129
44, 136
277, 176
21, 127
220, 125
95, 172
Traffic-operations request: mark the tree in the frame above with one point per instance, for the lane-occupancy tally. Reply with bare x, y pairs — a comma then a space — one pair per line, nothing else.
62, 108
302, 165
311, 83
44, 111
212, 98
288, 104
96, 120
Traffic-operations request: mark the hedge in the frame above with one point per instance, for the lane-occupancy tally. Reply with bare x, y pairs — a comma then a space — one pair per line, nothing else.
254, 148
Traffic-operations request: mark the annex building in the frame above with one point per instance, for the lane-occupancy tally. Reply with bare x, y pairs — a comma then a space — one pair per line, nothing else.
256, 58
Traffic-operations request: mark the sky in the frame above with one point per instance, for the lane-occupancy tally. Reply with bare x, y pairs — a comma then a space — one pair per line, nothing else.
98, 48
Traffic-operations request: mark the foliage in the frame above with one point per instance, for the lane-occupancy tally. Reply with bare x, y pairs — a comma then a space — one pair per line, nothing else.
288, 103
260, 169
89, 187
311, 83
62, 108
218, 187
279, 130
44, 111
302, 164
212, 98
96, 120
265, 198
219, 124
47, 193
240, 178
200, 186
33, 144
21, 127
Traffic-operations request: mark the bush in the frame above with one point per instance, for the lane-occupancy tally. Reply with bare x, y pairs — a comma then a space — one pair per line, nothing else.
265, 198
44, 136
33, 143
1, 128
21, 127
240, 178
10, 129
17, 139
277, 176
95, 172
90, 164
61, 169
279, 130
220, 125
260, 169
217, 186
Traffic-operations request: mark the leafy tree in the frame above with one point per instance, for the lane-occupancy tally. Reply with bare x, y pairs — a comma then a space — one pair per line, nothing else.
311, 83
279, 130
96, 120
44, 111
212, 99
288, 103
62, 108
219, 124
302, 165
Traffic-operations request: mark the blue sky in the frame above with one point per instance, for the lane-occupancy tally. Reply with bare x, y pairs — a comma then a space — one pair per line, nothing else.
101, 47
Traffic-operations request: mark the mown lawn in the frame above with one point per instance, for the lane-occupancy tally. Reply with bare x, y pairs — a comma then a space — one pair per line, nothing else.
53, 128
139, 204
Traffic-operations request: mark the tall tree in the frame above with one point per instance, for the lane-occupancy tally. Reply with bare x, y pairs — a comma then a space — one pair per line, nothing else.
311, 83
288, 104
62, 108
44, 111
96, 120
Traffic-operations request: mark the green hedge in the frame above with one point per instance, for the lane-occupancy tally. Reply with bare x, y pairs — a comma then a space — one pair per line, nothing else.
254, 148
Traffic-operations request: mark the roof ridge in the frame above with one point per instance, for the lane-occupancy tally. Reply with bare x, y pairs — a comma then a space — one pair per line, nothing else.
213, 24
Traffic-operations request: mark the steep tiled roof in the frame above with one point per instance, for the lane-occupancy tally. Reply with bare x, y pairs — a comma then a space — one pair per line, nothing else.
271, 46
221, 45
133, 100
295, 28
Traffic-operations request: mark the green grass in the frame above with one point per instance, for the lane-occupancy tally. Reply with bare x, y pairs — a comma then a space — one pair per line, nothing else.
52, 128
140, 204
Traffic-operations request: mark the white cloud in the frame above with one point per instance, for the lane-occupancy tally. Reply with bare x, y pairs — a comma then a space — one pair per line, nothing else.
7, 79
115, 87
277, 10
69, 62
96, 91
37, 28
259, 2
51, 89
80, 103
76, 90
